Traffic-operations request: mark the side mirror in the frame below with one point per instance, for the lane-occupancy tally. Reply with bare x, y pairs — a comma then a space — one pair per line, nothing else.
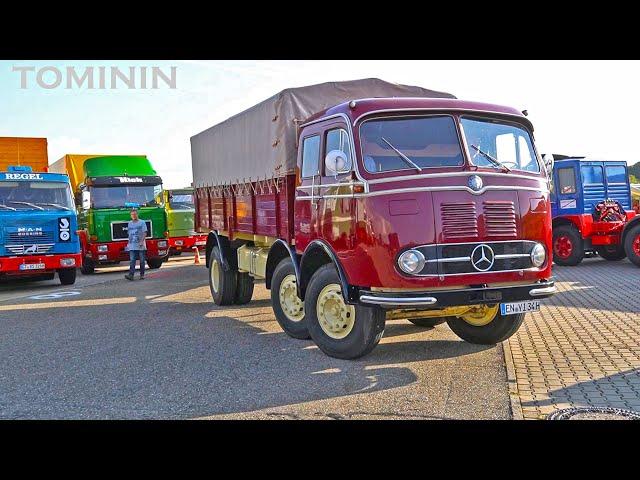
549, 161
336, 162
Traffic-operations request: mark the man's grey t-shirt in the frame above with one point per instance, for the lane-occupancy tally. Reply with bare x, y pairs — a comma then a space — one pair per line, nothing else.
137, 233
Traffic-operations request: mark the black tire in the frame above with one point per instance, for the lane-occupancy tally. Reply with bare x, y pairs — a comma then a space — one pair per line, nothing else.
577, 246
613, 253
498, 330
67, 276
244, 288
427, 321
632, 245
367, 327
88, 267
226, 280
155, 263
293, 328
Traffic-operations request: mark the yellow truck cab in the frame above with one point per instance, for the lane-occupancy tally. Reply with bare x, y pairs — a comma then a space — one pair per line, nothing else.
180, 208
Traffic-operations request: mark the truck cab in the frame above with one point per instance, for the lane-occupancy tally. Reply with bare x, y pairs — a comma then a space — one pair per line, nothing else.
38, 226
592, 210
180, 207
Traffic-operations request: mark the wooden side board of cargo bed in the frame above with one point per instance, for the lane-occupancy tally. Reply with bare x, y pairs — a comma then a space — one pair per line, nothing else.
22, 151
263, 208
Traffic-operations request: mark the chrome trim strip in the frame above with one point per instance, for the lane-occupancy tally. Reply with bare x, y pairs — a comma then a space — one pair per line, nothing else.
376, 300
350, 184
511, 255
536, 292
494, 272
449, 259
455, 174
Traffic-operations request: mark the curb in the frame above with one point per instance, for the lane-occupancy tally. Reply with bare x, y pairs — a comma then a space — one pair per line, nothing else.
514, 397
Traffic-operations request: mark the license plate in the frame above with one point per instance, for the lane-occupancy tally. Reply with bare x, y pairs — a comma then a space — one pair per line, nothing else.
32, 266
179, 242
201, 243
520, 307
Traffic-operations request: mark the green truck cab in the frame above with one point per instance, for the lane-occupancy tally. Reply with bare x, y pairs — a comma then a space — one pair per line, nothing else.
180, 207
106, 188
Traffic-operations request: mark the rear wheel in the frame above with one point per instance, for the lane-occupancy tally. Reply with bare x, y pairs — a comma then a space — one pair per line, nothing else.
67, 276
613, 253
222, 283
287, 306
244, 288
427, 321
632, 245
340, 330
485, 325
155, 263
88, 267
568, 246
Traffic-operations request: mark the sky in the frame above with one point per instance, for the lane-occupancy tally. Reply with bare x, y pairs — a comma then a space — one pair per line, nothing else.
577, 107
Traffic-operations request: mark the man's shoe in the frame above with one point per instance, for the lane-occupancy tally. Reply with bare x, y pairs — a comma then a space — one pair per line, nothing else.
128, 276
141, 277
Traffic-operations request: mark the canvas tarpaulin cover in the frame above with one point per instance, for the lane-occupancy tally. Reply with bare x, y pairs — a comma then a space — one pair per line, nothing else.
260, 142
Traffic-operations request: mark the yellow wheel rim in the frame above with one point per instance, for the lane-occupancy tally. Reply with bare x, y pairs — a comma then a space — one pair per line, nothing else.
480, 315
336, 318
215, 275
290, 303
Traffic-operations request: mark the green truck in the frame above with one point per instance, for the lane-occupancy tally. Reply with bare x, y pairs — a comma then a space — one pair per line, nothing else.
180, 207
106, 187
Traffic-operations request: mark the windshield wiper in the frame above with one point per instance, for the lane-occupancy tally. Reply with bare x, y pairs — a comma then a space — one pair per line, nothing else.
493, 160
402, 155
61, 207
27, 204
8, 208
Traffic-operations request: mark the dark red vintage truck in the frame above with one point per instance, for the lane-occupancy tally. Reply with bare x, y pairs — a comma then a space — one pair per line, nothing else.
363, 201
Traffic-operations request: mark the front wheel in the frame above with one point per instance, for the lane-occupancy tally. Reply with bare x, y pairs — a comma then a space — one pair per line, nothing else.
287, 306
340, 330
67, 276
632, 245
155, 263
568, 247
612, 253
485, 325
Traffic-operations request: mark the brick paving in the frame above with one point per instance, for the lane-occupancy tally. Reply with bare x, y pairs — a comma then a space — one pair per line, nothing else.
583, 347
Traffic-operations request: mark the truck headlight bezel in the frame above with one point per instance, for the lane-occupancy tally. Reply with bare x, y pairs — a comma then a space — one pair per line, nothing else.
538, 255
411, 261
162, 244
103, 248
67, 262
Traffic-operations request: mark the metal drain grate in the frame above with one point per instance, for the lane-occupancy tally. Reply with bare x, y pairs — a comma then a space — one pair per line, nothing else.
593, 413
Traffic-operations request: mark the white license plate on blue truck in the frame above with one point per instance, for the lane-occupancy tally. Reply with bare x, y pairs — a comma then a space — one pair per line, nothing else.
520, 307
32, 266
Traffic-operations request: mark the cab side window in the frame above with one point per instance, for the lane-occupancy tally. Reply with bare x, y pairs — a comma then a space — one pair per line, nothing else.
566, 181
337, 141
616, 174
310, 156
592, 175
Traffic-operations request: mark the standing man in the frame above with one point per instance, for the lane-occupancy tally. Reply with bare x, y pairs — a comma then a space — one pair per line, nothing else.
137, 230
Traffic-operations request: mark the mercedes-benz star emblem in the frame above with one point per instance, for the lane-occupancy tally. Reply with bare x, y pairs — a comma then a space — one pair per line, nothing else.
475, 183
482, 257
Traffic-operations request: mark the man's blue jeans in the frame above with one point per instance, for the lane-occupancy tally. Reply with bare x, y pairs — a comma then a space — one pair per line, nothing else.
133, 256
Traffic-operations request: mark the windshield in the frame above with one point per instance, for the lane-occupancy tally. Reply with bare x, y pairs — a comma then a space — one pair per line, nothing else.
409, 143
116, 197
181, 201
498, 145
35, 196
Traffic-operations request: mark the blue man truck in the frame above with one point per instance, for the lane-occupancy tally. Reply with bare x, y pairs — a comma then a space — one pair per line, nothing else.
592, 211
38, 225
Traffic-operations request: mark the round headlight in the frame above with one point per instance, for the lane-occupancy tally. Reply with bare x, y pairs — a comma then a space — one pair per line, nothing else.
411, 261
538, 255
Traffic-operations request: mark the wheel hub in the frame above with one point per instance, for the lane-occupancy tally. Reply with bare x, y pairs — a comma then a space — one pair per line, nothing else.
480, 315
215, 275
636, 245
290, 303
563, 246
336, 318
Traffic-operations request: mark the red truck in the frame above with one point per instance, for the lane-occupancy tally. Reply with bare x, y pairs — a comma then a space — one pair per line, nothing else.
363, 201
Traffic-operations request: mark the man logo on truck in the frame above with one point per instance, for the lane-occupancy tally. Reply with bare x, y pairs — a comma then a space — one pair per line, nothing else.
64, 232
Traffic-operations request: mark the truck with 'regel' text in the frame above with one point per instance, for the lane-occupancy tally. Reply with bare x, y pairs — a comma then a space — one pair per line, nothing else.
363, 201
38, 225
106, 188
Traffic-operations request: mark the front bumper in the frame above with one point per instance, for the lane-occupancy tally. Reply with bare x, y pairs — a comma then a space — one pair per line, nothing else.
454, 298
180, 244
11, 265
111, 252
